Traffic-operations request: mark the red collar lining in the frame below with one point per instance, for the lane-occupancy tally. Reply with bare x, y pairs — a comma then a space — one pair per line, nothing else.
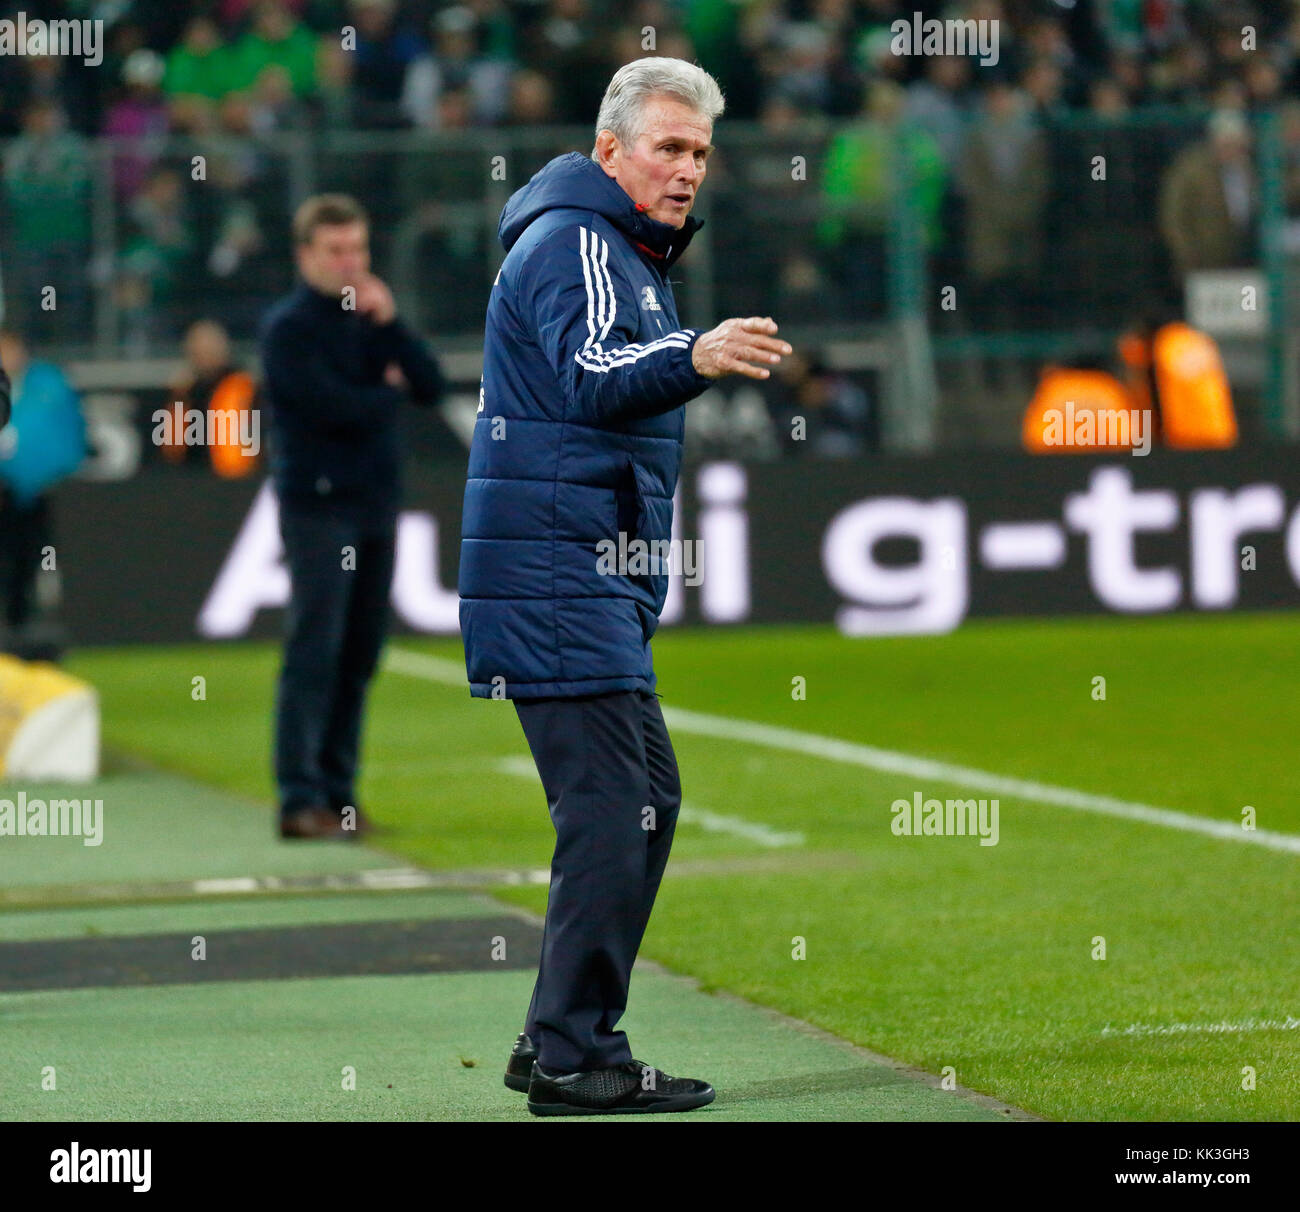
641, 206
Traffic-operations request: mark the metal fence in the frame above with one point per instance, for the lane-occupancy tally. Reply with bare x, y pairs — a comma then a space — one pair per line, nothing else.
951, 259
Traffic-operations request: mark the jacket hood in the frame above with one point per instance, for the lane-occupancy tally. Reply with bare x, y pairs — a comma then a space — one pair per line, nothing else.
575, 180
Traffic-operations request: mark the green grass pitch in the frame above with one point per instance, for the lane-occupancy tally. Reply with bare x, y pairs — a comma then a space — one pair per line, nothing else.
936, 951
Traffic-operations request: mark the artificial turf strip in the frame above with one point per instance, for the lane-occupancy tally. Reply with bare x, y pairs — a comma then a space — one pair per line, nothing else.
156, 826
422, 1047
204, 915
932, 950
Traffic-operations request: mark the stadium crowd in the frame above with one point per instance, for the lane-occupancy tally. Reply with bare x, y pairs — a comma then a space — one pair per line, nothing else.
247, 66
248, 69
995, 162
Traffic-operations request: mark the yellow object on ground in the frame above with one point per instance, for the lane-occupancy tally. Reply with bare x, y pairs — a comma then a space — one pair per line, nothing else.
49, 723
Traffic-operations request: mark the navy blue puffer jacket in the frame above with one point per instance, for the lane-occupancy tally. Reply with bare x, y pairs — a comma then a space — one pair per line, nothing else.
578, 439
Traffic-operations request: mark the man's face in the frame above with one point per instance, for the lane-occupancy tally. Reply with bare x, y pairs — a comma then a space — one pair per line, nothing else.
337, 256
665, 167
13, 356
207, 348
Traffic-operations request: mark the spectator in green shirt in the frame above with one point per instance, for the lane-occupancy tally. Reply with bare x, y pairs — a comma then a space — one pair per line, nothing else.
861, 171
47, 186
860, 184
275, 38
200, 64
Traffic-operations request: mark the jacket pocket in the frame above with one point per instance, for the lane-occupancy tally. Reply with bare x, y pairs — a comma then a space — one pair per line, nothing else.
654, 513
653, 531
628, 509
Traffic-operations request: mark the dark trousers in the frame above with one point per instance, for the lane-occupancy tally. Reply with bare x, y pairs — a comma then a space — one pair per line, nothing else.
611, 783
24, 533
335, 628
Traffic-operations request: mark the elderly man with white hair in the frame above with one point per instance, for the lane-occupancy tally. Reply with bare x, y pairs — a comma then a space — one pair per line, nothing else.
576, 452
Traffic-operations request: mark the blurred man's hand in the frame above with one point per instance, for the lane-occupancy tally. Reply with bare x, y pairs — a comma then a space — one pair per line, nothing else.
375, 300
735, 346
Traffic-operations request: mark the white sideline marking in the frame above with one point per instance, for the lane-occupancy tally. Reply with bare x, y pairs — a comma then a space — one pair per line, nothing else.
238, 883
1251, 1024
715, 822
712, 822
421, 665
396, 877
890, 761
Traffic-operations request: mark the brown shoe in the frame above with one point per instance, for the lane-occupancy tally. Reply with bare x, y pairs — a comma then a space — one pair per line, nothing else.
314, 823
361, 823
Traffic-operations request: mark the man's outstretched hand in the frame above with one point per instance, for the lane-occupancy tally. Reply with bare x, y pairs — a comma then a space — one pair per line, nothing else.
735, 345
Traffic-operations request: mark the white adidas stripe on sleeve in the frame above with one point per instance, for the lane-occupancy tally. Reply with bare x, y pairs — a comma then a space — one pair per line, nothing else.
602, 310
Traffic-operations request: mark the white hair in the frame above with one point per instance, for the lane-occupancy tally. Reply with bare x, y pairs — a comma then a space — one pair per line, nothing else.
635, 83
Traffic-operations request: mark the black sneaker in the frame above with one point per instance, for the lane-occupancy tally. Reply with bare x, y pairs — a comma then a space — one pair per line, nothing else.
519, 1068
627, 1089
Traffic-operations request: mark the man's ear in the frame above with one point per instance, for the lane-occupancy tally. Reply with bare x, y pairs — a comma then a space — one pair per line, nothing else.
607, 151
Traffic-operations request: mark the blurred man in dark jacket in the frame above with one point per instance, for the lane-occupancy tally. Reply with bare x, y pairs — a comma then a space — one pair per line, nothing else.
337, 362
